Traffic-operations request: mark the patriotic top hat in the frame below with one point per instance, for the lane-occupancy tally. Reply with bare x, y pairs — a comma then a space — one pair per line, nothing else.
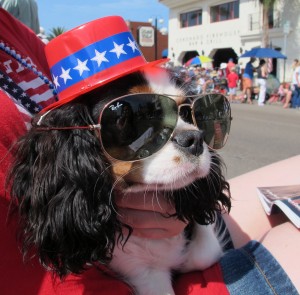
91, 56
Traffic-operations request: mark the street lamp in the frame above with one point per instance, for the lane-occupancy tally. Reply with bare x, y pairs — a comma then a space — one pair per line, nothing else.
156, 21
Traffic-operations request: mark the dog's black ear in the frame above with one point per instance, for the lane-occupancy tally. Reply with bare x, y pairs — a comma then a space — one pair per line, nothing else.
62, 186
200, 201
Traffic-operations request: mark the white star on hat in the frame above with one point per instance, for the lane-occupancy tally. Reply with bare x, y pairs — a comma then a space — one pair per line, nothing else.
118, 49
99, 57
65, 75
132, 44
81, 66
55, 80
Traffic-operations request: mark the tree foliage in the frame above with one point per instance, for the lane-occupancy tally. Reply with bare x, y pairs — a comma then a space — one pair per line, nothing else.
54, 32
267, 5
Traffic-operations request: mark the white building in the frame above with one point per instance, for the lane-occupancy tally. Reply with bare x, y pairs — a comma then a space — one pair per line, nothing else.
223, 29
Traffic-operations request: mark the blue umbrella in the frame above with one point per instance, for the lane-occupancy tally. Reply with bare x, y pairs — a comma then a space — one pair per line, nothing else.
164, 53
263, 53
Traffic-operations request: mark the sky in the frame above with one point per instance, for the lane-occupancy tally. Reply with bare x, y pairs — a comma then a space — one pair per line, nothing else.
72, 13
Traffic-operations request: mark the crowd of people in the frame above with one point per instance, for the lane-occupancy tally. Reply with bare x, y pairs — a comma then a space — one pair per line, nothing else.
246, 85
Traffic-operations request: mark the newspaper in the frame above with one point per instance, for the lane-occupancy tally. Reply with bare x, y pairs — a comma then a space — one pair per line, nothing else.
286, 198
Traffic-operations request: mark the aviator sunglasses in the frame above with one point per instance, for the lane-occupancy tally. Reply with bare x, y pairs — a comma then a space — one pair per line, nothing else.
136, 126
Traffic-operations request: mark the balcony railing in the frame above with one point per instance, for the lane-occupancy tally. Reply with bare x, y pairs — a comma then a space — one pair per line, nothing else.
255, 21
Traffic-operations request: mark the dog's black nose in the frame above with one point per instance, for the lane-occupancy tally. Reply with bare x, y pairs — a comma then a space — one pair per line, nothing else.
191, 141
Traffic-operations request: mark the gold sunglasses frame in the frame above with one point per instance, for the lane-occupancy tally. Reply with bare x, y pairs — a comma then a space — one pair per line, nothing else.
97, 127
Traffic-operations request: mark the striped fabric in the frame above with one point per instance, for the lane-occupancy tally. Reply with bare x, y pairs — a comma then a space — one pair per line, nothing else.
270, 65
24, 73
33, 87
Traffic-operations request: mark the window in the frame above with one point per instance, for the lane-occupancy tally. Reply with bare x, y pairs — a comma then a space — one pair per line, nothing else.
271, 17
225, 11
189, 19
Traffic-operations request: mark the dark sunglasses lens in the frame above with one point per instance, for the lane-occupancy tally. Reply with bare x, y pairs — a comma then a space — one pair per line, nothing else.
213, 116
136, 126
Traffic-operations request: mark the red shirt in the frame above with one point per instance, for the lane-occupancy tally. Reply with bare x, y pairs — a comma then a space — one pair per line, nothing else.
230, 65
232, 80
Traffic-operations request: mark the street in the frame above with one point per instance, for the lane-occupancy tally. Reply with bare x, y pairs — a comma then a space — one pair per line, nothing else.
260, 136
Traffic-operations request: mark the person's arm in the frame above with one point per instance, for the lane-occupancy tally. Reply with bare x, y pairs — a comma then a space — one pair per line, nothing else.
264, 71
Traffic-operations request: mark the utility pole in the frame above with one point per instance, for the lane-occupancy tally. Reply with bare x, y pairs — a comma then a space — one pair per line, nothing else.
286, 31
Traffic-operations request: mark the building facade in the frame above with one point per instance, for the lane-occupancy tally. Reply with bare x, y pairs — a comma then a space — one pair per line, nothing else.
152, 42
223, 29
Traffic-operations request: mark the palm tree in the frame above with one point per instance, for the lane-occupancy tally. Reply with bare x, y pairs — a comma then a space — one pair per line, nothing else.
54, 32
267, 5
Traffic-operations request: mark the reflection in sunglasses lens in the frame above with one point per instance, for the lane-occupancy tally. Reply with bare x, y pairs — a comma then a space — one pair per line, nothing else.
212, 115
137, 126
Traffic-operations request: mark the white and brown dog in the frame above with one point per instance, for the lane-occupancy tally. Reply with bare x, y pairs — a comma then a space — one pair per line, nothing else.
122, 127
65, 180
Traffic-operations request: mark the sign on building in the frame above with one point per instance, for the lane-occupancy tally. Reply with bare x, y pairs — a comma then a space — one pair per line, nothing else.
146, 36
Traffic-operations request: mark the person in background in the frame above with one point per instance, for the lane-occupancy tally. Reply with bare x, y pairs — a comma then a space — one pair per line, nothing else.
283, 95
222, 71
262, 75
296, 86
295, 63
229, 66
286, 93
292, 69
232, 79
248, 80
25, 11
222, 78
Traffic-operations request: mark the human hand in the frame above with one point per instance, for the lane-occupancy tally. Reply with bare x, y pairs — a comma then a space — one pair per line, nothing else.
148, 215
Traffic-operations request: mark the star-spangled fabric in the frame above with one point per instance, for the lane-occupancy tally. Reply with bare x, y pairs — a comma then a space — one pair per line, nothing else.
8, 85
24, 43
30, 83
93, 59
